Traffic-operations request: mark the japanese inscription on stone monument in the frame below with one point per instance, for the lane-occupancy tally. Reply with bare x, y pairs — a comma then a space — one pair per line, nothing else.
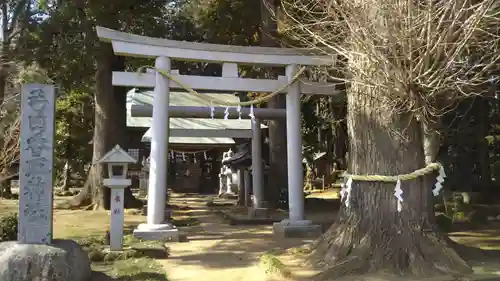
35, 167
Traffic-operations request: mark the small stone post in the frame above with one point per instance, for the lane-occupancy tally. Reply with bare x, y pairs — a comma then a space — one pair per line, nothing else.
248, 187
116, 223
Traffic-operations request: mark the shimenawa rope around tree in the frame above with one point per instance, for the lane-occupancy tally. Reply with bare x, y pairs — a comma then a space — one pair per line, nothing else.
404, 177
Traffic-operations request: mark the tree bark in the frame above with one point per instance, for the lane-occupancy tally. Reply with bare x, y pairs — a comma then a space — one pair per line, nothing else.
93, 192
4, 53
66, 177
277, 128
339, 132
119, 124
371, 235
5, 186
7, 174
3, 81
484, 151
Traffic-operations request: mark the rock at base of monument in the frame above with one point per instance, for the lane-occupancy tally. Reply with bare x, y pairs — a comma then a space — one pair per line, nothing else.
297, 229
157, 232
258, 212
61, 261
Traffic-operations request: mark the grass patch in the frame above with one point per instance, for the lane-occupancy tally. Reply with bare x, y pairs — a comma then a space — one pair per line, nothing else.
300, 251
89, 228
8, 206
79, 224
66, 193
272, 265
98, 251
219, 204
139, 269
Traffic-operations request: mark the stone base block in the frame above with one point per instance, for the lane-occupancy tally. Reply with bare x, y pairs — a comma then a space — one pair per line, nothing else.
258, 212
157, 232
61, 261
297, 229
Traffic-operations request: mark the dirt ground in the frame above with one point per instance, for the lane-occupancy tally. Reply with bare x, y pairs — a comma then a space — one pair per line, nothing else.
217, 251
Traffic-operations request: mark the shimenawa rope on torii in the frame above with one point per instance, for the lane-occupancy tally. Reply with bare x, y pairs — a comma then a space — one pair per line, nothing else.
204, 151
213, 101
223, 102
345, 191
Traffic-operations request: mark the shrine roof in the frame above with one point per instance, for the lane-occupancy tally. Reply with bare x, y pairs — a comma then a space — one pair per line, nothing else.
135, 97
192, 140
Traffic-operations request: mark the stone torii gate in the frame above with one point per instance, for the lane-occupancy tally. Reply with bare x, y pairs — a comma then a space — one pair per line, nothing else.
164, 50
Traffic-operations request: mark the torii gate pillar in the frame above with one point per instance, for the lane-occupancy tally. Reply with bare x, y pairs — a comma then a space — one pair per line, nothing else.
295, 225
156, 228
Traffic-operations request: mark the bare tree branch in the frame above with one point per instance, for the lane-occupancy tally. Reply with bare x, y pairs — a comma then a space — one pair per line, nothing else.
425, 55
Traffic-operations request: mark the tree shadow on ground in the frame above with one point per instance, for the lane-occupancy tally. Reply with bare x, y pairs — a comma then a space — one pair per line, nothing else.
143, 276
99, 276
477, 245
234, 250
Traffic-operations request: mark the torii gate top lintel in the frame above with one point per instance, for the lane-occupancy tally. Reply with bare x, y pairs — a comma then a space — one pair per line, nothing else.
128, 44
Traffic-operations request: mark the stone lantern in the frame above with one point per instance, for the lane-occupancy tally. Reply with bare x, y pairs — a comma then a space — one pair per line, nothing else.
117, 161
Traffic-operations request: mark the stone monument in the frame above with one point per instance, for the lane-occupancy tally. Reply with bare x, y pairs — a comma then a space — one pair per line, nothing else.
35, 167
35, 256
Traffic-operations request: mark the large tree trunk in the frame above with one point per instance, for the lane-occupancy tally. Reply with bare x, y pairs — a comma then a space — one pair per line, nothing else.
119, 124
109, 130
4, 61
5, 185
66, 176
371, 235
3, 81
277, 128
93, 192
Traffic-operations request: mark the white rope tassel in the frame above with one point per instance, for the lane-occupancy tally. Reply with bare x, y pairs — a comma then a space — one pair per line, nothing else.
238, 109
342, 192
439, 181
205, 155
251, 114
398, 192
226, 113
212, 111
183, 156
348, 190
